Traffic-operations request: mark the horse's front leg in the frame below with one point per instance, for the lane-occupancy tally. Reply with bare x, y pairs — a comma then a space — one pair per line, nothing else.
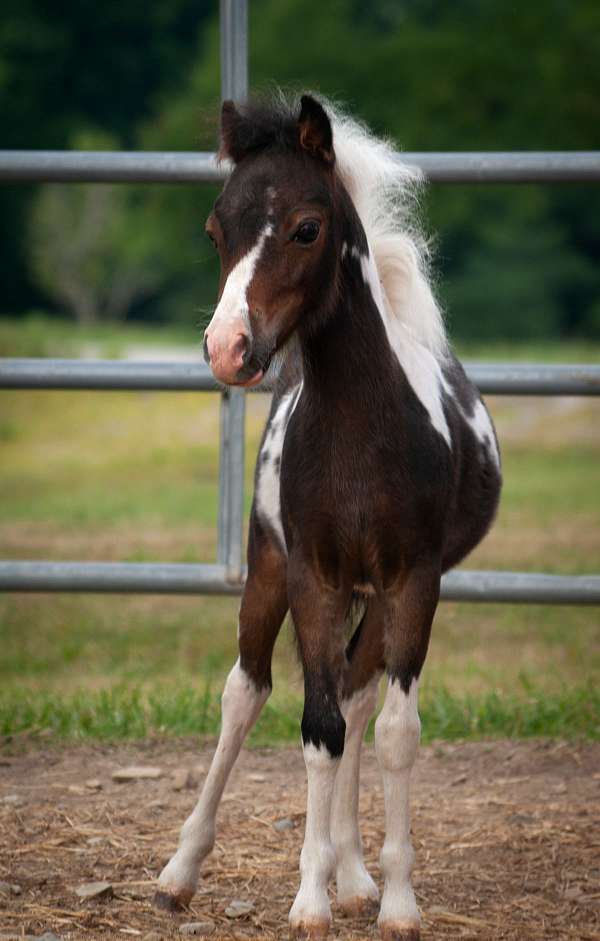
356, 890
318, 615
264, 605
407, 623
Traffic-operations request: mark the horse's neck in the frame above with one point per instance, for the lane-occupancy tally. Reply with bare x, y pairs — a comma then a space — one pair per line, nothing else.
349, 349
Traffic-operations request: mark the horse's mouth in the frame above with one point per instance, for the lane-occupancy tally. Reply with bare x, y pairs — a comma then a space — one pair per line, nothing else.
253, 372
253, 381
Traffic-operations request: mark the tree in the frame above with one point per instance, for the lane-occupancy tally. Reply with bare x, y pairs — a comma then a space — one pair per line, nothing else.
92, 249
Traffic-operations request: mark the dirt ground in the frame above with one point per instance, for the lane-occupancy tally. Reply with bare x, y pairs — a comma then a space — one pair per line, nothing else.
506, 834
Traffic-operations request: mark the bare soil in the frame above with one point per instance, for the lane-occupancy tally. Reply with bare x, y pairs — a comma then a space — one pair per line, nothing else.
506, 835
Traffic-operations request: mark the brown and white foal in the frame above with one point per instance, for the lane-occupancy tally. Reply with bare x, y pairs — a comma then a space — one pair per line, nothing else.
378, 470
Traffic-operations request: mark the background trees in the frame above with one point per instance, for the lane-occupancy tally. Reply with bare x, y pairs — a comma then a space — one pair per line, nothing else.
513, 261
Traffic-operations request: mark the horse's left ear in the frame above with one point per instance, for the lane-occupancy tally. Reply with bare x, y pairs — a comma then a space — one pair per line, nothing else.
314, 130
232, 144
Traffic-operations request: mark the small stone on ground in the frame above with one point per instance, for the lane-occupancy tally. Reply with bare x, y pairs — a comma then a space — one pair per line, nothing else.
182, 778
238, 908
137, 773
197, 928
95, 890
8, 888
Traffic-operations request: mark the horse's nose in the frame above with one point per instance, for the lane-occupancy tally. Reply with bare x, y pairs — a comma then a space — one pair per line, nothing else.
227, 353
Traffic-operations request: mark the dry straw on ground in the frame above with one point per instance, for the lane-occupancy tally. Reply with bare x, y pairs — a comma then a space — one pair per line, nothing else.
506, 835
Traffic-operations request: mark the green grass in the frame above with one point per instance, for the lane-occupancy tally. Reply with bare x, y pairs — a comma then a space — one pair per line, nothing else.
133, 476
124, 712
38, 335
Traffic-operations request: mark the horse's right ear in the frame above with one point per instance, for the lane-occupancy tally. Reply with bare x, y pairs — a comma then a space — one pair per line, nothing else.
231, 133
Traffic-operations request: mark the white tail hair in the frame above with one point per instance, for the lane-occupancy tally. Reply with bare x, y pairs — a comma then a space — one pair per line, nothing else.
383, 190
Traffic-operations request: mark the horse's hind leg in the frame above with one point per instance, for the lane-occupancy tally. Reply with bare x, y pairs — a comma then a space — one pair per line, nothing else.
356, 890
407, 622
264, 605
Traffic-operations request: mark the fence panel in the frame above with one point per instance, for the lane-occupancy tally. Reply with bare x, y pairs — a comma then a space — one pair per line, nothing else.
226, 577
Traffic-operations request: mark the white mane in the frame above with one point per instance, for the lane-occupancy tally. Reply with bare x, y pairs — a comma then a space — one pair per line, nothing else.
382, 189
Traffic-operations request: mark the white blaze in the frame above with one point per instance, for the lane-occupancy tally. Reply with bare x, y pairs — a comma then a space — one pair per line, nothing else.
233, 305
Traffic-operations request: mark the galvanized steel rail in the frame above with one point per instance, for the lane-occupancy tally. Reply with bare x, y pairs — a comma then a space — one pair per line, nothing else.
227, 576
57, 166
491, 378
186, 579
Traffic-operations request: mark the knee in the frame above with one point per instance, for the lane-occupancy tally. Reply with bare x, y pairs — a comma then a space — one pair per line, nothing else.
255, 658
241, 696
323, 724
360, 706
398, 729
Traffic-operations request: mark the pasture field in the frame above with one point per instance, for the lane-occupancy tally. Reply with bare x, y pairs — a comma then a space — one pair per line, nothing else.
133, 476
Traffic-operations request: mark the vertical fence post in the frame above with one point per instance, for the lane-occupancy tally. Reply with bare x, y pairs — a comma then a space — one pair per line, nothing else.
234, 84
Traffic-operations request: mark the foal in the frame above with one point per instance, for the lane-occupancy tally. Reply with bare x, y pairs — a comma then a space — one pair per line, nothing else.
378, 470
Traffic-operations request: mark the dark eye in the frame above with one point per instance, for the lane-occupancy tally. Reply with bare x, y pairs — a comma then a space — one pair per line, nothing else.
307, 232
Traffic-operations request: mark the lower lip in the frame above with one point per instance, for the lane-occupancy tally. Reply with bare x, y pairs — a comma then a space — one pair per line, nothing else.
252, 382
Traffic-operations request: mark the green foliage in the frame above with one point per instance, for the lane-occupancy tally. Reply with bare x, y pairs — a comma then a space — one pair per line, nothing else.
512, 260
95, 249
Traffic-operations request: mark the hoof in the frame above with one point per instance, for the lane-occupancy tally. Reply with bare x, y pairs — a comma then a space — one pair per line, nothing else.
399, 931
317, 928
171, 900
359, 906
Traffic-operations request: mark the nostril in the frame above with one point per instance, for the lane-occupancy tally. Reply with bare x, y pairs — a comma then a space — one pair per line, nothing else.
240, 350
205, 350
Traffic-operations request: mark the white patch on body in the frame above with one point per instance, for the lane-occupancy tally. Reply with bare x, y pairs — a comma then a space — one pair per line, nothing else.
317, 859
479, 422
381, 187
240, 707
420, 366
483, 429
268, 488
397, 733
354, 884
233, 305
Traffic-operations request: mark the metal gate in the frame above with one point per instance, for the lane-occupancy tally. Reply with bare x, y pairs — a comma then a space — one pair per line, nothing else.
226, 576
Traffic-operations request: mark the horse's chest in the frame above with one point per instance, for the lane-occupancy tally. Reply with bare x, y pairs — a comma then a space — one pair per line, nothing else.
268, 476
324, 480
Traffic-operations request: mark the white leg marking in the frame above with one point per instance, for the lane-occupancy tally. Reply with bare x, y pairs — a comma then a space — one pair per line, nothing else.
311, 912
355, 887
397, 733
240, 706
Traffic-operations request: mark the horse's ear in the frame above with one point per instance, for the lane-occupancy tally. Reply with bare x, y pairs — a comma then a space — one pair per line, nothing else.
314, 129
233, 144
